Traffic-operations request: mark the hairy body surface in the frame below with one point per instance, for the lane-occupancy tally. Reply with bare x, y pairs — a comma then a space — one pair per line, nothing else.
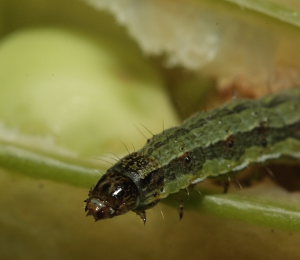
208, 144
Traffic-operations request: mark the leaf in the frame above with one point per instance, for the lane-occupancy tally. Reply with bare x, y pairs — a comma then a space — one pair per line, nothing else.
287, 11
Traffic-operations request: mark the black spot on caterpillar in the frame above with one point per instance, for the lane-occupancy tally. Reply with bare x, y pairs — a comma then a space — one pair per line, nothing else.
209, 144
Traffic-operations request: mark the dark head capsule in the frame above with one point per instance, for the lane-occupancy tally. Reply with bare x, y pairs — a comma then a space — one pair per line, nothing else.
113, 195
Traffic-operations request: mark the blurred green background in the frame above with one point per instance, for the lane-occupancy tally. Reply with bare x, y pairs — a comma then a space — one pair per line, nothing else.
77, 90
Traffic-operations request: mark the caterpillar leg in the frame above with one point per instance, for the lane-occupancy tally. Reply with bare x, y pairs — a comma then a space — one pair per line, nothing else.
181, 203
142, 215
226, 185
141, 211
181, 210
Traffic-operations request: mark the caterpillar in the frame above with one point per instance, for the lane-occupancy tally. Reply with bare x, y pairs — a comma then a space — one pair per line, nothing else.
208, 144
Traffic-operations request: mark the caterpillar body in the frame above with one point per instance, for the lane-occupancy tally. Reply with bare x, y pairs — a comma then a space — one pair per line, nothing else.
208, 144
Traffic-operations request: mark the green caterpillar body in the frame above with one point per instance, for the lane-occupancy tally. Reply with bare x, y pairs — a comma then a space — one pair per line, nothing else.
209, 144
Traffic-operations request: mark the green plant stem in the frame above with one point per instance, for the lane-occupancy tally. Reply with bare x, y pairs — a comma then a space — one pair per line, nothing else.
45, 167
252, 209
256, 211
237, 206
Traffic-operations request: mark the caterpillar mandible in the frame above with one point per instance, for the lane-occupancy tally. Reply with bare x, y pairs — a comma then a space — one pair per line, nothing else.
208, 144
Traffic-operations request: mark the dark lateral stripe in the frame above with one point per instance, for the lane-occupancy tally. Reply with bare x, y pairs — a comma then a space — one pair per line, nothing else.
185, 129
259, 137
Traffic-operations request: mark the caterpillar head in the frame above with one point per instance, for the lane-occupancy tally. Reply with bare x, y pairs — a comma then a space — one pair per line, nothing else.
113, 195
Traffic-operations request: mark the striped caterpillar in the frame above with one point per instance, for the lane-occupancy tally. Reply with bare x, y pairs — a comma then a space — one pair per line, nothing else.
208, 144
